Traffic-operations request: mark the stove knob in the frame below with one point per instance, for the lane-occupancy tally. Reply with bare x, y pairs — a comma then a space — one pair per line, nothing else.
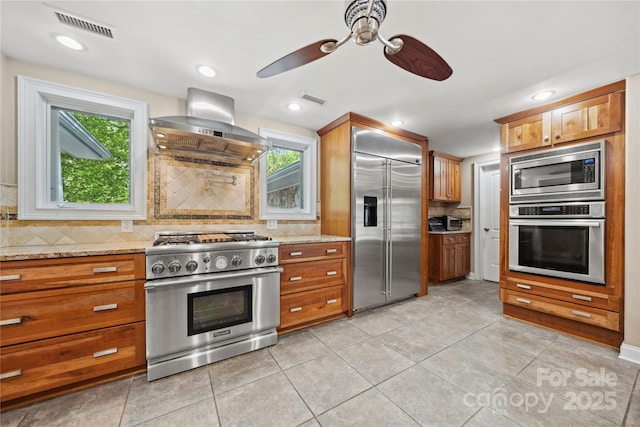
236, 261
191, 266
206, 259
157, 268
260, 259
174, 267
271, 258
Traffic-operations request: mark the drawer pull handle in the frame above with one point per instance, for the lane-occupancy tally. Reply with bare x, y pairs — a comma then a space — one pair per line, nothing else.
521, 286
14, 321
295, 253
105, 307
295, 278
522, 300
581, 298
9, 277
331, 273
332, 251
294, 309
105, 269
581, 314
332, 301
105, 352
11, 374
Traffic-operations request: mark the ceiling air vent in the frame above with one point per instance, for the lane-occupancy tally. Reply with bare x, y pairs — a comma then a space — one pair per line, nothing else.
84, 24
313, 99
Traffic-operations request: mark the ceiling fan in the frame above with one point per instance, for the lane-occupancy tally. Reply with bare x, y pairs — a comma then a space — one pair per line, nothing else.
363, 18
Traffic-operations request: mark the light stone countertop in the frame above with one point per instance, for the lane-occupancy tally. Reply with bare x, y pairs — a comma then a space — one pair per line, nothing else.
17, 253
450, 232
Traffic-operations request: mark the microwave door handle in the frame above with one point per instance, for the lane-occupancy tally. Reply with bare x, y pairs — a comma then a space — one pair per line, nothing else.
551, 223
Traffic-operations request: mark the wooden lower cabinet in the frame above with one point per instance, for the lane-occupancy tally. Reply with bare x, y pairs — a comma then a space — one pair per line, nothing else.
449, 256
314, 284
65, 322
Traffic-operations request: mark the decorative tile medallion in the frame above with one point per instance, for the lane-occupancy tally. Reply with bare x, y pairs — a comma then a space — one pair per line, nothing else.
196, 188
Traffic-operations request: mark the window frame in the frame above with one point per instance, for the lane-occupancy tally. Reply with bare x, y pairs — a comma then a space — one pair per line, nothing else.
35, 99
308, 146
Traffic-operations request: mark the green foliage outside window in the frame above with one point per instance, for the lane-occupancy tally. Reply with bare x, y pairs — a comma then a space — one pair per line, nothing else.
99, 181
280, 158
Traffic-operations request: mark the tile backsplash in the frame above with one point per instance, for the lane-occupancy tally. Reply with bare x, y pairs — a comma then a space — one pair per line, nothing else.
463, 212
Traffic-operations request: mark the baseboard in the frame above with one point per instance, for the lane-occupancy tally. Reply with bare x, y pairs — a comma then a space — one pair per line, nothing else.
473, 276
629, 353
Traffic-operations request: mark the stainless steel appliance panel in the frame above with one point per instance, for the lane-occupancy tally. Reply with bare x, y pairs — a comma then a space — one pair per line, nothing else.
167, 303
369, 249
405, 229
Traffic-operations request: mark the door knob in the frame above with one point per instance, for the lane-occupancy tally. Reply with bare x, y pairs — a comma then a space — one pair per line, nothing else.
486, 229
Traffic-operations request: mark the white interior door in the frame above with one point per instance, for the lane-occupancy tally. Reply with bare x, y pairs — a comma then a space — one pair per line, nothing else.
489, 210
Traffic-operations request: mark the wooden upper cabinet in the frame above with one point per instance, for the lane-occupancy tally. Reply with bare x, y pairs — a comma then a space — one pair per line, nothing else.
586, 115
529, 132
445, 178
585, 119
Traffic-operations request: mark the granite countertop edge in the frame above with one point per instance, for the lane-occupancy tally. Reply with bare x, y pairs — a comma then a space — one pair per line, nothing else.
19, 253
450, 232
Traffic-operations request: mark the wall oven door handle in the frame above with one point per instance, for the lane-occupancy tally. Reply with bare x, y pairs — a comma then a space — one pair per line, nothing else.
552, 223
190, 280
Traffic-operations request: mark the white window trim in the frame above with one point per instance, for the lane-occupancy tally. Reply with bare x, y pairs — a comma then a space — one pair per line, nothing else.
309, 147
35, 98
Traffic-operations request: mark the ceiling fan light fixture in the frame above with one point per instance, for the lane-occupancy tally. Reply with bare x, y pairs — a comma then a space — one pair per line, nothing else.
543, 95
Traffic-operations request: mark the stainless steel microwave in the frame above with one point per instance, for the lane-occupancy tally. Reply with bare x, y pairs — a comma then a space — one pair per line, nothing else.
574, 173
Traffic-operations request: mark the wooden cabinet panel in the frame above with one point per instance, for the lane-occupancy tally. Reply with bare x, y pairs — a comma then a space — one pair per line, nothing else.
445, 177
594, 316
46, 364
295, 252
593, 117
309, 275
527, 133
308, 306
449, 256
45, 314
35, 275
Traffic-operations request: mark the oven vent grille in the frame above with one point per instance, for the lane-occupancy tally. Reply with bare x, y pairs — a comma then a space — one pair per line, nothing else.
312, 98
84, 24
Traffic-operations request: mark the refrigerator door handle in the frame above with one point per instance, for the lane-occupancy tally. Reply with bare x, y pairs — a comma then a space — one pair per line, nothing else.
388, 258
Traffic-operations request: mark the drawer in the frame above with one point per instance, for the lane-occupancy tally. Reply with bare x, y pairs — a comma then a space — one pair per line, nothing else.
45, 314
448, 239
292, 253
311, 305
43, 365
35, 275
311, 274
594, 316
577, 296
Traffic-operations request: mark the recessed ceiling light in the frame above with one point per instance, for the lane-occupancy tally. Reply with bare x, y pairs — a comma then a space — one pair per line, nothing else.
396, 123
543, 95
294, 107
206, 71
496, 148
67, 41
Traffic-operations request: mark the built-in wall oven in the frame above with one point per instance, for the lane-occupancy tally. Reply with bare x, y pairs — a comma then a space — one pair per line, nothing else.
565, 240
572, 173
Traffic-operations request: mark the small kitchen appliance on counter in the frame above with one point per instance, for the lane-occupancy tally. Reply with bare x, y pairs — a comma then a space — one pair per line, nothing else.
209, 296
445, 223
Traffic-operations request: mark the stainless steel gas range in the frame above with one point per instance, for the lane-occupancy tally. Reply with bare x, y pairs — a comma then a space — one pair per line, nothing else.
209, 296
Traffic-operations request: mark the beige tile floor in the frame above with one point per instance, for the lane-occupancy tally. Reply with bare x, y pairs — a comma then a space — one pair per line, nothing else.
448, 359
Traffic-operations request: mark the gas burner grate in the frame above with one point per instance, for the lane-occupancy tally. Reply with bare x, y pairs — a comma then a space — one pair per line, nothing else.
176, 240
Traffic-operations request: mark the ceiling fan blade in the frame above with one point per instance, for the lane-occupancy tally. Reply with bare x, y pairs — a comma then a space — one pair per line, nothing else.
418, 58
295, 59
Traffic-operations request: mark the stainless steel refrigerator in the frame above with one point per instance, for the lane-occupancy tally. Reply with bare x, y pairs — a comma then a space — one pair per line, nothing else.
386, 209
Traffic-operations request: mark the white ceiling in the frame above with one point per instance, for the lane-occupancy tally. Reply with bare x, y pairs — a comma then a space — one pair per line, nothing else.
501, 52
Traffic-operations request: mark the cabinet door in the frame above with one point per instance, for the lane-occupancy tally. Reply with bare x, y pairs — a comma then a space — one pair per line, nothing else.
455, 184
585, 119
449, 255
440, 185
527, 133
463, 261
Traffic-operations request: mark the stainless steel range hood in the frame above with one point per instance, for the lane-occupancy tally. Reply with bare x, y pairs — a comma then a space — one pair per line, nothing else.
208, 127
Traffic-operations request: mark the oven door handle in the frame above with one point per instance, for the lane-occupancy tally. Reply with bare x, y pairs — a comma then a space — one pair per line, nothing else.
552, 223
189, 280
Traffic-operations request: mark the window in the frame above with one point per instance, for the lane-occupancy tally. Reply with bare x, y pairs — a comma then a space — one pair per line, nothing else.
288, 177
81, 154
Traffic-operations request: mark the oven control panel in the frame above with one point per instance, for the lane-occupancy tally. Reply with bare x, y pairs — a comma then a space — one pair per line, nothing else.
186, 263
565, 210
